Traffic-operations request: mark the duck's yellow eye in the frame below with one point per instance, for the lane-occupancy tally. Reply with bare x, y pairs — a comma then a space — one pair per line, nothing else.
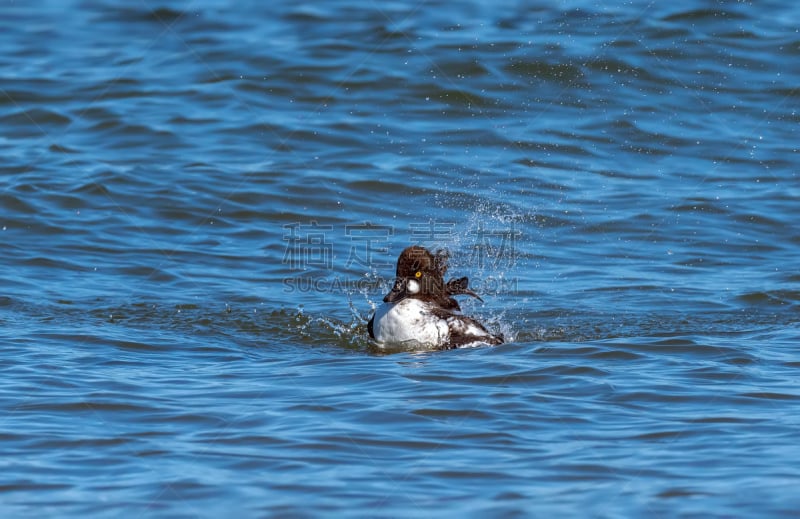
418, 274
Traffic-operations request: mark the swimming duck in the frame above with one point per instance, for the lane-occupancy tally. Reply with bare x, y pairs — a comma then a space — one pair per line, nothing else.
420, 311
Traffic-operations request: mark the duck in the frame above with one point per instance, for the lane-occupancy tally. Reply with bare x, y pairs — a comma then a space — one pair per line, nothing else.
420, 312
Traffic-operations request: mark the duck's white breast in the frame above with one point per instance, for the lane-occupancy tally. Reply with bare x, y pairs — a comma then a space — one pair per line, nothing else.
409, 320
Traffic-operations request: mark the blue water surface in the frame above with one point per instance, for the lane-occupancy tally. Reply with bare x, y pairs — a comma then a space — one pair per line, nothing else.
201, 204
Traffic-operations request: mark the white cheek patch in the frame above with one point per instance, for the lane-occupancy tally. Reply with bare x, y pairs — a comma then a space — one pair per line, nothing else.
412, 286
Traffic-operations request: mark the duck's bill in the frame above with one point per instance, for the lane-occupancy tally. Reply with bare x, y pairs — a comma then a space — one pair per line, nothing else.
397, 292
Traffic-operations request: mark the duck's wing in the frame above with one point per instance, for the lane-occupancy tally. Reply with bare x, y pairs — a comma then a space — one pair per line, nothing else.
460, 286
467, 331
370, 326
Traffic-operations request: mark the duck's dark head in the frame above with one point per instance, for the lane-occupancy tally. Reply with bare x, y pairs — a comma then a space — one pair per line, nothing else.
420, 274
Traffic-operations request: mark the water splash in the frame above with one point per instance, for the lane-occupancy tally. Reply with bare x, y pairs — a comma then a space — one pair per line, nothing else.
484, 246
